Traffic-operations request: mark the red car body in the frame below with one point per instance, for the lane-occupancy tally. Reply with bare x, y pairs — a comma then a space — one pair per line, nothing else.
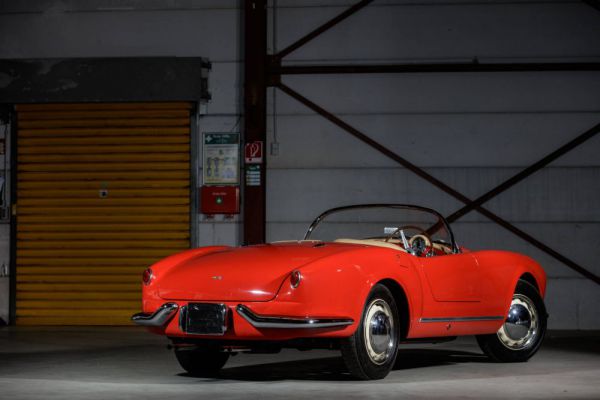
467, 293
362, 296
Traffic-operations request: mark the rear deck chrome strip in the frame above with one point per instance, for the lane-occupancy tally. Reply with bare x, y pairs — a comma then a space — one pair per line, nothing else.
259, 321
463, 319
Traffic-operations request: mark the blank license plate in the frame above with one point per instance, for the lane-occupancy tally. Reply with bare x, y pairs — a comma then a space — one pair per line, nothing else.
206, 319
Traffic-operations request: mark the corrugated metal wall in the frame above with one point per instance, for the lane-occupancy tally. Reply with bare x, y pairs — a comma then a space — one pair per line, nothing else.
103, 191
470, 130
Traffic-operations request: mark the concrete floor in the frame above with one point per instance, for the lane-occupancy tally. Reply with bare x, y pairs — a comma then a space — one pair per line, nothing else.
128, 363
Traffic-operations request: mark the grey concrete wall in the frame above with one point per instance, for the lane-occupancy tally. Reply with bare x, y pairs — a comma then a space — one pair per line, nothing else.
470, 130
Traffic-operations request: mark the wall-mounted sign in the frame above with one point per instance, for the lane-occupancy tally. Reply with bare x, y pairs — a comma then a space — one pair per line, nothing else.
253, 175
253, 153
220, 159
220, 200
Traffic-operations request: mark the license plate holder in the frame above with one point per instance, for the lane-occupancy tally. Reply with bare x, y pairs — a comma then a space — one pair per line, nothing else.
205, 319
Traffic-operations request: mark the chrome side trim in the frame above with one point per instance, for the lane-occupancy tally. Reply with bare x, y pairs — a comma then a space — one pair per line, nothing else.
259, 321
463, 319
158, 318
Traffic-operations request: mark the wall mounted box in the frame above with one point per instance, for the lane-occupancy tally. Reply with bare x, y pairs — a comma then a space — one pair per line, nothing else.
220, 200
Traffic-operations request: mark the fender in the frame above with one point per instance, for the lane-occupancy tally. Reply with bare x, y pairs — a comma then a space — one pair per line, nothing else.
338, 286
501, 271
527, 266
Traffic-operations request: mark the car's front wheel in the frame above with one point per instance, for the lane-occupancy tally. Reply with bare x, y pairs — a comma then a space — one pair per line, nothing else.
370, 353
521, 335
201, 362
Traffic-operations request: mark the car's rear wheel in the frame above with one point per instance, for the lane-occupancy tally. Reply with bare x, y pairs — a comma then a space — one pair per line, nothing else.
521, 335
201, 362
370, 353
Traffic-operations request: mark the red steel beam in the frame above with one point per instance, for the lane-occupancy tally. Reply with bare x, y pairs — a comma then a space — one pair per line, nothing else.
431, 67
326, 26
436, 182
255, 114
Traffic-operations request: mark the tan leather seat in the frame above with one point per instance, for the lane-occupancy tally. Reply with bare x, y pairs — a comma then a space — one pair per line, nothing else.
371, 242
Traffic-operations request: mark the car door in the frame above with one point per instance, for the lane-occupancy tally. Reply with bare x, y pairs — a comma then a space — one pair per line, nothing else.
453, 284
456, 297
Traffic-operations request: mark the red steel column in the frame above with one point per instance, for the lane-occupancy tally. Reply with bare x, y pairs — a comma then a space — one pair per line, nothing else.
255, 114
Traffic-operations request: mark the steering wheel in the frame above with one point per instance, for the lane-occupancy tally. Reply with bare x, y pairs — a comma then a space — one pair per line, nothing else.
420, 244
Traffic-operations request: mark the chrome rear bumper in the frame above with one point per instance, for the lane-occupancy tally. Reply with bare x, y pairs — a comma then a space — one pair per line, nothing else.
259, 321
168, 310
158, 318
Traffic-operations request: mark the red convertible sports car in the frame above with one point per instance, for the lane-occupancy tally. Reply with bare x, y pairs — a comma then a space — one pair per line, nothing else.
364, 280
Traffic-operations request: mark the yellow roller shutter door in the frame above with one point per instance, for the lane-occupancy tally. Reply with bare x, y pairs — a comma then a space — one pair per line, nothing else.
103, 191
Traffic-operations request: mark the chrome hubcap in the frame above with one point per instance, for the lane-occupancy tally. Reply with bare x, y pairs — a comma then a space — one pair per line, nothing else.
520, 329
379, 331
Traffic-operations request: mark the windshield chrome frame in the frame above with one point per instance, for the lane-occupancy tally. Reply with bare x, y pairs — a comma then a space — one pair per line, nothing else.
323, 215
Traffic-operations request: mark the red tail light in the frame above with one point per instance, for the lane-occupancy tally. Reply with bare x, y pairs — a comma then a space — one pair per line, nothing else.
147, 276
295, 279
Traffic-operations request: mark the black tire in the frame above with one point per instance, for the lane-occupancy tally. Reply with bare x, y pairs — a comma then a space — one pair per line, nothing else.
501, 347
355, 351
201, 363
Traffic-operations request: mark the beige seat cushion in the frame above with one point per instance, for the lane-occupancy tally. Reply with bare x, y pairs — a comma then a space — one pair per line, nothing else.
371, 242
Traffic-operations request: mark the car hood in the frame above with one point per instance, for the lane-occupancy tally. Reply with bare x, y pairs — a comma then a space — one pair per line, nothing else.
252, 273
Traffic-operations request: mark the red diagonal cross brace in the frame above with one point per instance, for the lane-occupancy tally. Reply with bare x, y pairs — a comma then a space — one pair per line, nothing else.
469, 204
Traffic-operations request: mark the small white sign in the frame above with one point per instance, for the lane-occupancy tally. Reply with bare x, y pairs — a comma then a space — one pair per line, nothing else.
253, 175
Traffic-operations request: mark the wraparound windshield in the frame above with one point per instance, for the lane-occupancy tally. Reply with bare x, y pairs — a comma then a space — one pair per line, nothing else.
385, 222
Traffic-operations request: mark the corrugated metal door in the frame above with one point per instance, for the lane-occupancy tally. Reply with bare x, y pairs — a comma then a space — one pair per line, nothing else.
103, 191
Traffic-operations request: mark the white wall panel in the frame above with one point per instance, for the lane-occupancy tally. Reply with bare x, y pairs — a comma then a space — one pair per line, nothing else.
578, 242
572, 304
550, 195
4, 298
39, 6
219, 123
446, 31
588, 312
211, 33
219, 232
513, 92
225, 86
434, 140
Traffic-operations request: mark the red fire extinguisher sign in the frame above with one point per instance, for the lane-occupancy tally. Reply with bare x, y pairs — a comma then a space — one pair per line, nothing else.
253, 152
